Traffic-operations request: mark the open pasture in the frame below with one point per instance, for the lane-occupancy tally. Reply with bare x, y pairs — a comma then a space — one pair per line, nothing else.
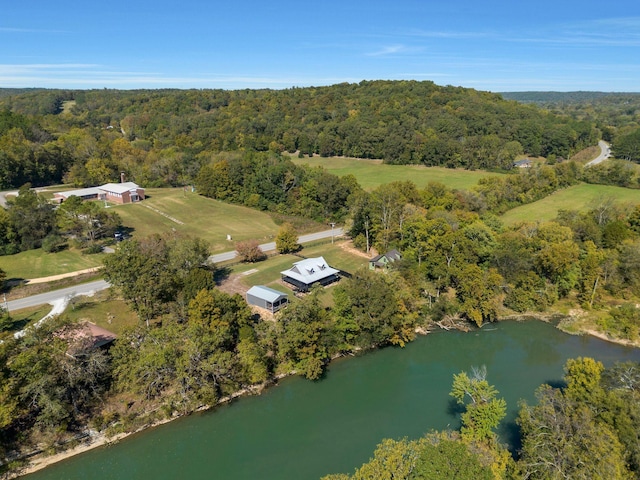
174, 209
372, 173
581, 197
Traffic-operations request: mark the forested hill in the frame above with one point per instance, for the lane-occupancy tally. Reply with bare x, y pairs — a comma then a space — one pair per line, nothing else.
398, 121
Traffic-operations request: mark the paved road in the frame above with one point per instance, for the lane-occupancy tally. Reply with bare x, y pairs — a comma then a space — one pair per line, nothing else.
92, 287
268, 247
3, 197
50, 297
605, 152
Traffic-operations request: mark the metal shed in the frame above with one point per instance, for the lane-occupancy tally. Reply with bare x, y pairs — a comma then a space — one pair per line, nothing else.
266, 297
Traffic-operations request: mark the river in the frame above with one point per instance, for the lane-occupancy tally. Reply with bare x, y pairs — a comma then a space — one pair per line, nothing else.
303, 430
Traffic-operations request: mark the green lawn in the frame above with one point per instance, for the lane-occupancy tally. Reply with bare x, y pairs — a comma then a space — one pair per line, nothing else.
268, 271
197, 216
372, 173
579, 197
102, 309
38, 263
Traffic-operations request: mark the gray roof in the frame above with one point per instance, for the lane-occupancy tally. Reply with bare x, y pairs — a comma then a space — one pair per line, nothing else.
266, 293
310, 270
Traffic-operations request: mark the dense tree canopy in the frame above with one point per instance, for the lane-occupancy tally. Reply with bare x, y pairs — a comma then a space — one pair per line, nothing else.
163, 137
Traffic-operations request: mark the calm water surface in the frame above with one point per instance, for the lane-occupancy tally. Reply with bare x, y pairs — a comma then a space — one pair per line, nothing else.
303, 430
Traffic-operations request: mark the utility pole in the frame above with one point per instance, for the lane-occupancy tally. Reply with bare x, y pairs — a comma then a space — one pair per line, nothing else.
332, 225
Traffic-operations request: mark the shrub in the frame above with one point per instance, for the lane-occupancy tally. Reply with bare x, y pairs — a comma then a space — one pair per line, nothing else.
249, 251
53, 243
92, 249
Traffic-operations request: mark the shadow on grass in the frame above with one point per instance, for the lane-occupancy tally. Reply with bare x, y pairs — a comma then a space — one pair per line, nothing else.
12, 283
221, 274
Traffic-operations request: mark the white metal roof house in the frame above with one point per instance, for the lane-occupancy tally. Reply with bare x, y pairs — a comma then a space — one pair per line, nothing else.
266, 297
309, 271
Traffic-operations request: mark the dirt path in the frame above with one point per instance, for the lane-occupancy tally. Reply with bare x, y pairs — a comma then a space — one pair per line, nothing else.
53, 278
347, 246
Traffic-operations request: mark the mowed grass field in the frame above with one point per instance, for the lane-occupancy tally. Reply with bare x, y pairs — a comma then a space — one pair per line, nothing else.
372, 173
579, 197
173, 209
38, 263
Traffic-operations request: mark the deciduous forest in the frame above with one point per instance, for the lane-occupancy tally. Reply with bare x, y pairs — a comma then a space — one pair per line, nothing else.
461, 266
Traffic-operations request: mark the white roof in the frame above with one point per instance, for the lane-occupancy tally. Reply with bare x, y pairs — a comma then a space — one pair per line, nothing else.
107, 187
310, 270
266, 293
118, 187
81, 192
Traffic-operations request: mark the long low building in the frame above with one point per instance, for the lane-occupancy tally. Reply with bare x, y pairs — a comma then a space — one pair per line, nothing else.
126, 192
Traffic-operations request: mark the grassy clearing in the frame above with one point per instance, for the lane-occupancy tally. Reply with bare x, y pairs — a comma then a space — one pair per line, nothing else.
372, 173
38, 263
173, 209
104, 310
579, 197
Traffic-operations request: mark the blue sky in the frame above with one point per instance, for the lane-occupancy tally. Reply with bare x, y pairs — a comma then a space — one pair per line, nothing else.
560, 45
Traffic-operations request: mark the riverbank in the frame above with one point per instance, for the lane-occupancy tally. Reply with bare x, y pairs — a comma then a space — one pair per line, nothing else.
43, 460
100, 439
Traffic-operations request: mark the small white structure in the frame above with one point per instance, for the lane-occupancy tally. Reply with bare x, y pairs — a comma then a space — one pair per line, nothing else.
266, 297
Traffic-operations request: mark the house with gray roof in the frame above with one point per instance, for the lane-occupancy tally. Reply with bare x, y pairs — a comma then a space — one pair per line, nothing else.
384, 260
305, 273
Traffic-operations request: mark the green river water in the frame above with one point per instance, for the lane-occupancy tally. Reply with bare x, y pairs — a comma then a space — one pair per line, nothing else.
303, 430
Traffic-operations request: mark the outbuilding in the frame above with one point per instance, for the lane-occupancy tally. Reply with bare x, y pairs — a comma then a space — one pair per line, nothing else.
267, 298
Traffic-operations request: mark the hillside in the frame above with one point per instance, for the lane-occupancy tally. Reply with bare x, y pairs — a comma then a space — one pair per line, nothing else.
404, 122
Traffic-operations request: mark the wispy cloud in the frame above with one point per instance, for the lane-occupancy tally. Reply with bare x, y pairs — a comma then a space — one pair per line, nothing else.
451, 34
397, 49
28, 30
66, 75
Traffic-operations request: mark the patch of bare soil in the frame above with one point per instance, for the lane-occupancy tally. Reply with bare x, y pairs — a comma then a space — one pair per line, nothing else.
347, 246
233, 284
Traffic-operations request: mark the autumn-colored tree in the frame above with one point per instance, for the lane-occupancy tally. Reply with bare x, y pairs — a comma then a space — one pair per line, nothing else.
249, 251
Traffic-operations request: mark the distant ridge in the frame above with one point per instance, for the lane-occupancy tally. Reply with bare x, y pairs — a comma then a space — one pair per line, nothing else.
565, 97
7, 92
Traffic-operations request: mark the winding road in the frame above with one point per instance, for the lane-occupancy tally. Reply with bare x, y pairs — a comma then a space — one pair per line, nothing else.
605, 152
